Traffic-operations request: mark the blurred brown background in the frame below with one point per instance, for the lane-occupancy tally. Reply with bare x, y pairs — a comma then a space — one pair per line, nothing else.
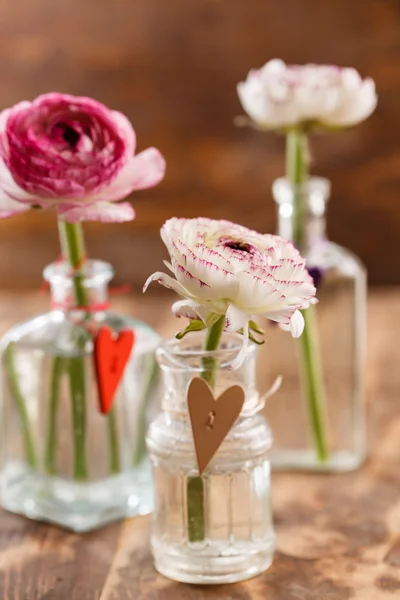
172, 66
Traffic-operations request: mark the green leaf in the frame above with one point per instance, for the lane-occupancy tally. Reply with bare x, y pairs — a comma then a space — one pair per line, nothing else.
252, 337
255, 340
194, 325
256, 328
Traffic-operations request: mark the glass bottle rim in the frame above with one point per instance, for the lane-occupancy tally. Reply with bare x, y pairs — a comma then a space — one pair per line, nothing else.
94, 272
172, 353
314, 187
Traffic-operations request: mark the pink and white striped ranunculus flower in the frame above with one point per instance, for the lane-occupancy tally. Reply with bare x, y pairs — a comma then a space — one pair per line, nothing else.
74, 154
280, 96
220, 268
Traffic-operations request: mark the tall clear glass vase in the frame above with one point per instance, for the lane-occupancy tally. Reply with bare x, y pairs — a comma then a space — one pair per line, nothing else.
214, 528
318, 416
62, 460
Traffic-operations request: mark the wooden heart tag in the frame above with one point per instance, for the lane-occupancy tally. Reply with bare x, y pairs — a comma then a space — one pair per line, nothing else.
111, 354
211, 419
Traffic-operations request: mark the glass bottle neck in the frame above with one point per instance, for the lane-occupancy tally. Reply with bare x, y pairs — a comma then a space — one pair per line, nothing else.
302, 210
92, 278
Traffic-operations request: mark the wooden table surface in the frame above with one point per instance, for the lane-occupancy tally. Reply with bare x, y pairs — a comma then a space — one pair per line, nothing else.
338, 536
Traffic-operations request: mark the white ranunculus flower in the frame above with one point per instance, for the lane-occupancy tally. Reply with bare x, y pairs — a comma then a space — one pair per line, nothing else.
279, 96
220, 268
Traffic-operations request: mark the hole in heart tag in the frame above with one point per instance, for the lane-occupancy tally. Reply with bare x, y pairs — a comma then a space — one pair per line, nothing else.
211, 418
111, 354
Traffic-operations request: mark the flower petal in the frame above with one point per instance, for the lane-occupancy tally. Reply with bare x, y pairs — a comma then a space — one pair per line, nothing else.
10, 207
190, 309
295, 325
238, 361
194, 287
148, 169
167, 281
281, 316
125, 130
142, 171
235, 319
217, 281
104, 212
258, 294
12, 190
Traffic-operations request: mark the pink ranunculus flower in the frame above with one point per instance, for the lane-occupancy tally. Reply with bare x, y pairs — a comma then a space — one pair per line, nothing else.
220, 268
74, 154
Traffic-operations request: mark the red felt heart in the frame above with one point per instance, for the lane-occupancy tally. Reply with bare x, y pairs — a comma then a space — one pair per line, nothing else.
111, 354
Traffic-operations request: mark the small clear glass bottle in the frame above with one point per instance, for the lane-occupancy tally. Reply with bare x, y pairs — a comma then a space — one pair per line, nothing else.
62, 460
339, 324
216, 528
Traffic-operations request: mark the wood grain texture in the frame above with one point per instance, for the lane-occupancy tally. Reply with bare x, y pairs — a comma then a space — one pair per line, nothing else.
338, 536
172, 67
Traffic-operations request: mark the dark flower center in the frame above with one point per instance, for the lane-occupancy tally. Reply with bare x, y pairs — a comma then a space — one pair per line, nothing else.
241, 246
316, 274
71, 136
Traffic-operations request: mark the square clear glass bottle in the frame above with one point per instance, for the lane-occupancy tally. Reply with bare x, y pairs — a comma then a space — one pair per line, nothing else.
327, 364
62, 460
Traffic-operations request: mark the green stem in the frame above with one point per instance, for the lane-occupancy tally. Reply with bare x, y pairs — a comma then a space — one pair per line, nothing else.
73, 248
51, 444
195, 485
15, 390
212, 341
195, 508
313, 382
113, 442
77, 384
297, 169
